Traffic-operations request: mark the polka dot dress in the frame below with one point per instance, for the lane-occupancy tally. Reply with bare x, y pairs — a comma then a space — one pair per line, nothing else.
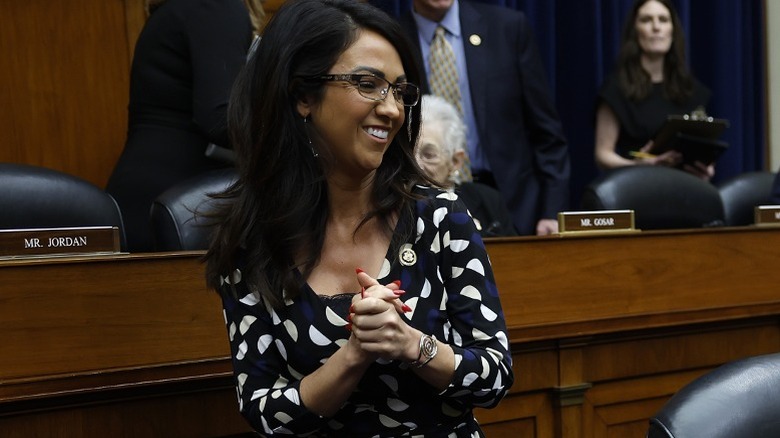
449, 285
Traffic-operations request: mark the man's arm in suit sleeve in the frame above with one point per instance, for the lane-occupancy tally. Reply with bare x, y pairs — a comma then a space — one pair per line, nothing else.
545, 133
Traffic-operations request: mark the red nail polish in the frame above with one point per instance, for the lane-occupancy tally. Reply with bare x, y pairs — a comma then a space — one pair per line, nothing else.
349, 317
358, 270
349, 327
406, 308
362, 292
352, 309
397, 283
399, 292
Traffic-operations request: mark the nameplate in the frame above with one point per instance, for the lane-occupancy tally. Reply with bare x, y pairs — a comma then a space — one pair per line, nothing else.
59, 241
767, 215
596, 221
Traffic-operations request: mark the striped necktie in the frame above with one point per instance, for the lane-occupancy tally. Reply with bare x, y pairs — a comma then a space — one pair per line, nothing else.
443, 77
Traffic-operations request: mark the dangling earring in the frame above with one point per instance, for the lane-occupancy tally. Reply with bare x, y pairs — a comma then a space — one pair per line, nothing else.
306, 128
409, 125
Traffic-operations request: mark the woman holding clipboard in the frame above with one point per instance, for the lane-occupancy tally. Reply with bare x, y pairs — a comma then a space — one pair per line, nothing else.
649, 83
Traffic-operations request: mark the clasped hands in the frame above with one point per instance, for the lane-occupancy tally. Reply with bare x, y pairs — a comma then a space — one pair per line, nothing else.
378, 330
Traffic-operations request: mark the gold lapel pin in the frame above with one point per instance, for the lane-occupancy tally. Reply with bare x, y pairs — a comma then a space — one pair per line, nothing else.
407, 256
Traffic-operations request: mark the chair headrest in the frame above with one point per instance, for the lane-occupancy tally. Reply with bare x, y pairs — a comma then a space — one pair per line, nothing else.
661, 197
737, 400
179, 216
38, 197
742, 193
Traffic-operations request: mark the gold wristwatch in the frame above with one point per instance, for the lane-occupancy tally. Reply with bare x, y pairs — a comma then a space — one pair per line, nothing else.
428, 350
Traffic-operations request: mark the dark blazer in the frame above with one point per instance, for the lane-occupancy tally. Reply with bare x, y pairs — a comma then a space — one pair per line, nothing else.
186, 59
519, 128
487, 206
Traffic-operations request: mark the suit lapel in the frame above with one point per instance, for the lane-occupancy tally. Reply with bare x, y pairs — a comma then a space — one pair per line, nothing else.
410, 26
473, 26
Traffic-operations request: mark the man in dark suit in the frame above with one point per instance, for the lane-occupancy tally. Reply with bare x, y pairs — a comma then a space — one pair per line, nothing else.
515, 140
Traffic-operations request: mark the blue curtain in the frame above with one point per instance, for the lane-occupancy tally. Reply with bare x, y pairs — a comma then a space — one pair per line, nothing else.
579, 40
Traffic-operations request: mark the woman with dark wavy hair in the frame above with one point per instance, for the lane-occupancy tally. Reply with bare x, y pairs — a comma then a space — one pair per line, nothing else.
359, 300
650, 82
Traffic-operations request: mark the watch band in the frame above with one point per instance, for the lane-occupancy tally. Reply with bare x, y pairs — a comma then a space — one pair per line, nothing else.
428, 350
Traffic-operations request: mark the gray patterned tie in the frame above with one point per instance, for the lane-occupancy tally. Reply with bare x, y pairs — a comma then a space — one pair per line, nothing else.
443, 71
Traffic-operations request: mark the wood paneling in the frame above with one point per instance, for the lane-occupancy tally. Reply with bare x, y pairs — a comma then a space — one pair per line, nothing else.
709, 274
65, 84
135, 17
173, 417
603, 331
134, 304
65, 76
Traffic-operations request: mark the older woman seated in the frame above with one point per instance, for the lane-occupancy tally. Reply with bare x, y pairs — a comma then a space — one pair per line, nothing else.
441, 152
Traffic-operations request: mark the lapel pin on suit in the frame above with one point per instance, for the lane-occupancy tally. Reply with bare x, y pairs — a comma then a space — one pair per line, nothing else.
475, 40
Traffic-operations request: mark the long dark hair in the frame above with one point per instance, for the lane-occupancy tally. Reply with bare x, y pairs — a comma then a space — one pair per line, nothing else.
278, 207
634, 80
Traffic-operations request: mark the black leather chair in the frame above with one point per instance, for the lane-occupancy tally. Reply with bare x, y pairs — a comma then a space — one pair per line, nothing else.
776, 190
742, 193
740, 399
38, 197
179, 216
661, 197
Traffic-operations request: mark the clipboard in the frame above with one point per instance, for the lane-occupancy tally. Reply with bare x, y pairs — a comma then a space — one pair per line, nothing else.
695, 138
699, 149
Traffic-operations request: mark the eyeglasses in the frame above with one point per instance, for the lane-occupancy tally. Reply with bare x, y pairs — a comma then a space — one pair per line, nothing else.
376, 88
